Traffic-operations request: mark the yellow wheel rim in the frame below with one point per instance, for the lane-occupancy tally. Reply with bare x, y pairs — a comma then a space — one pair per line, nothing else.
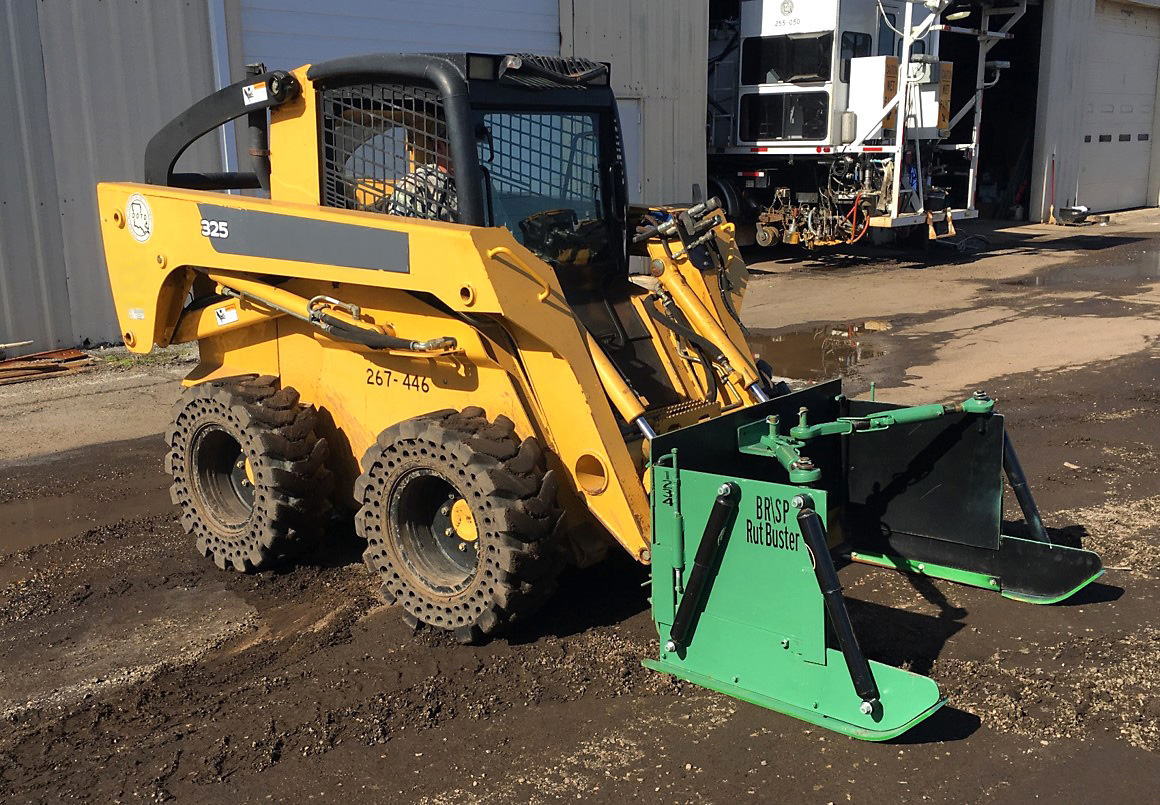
463, 521
250, 473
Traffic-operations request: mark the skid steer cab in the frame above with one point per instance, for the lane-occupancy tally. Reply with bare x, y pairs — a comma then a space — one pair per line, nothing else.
419, 308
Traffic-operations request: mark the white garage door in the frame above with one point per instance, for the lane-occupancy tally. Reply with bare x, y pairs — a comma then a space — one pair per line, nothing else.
284, 34
1118, 107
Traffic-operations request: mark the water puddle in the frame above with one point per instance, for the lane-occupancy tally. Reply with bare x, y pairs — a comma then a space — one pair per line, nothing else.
819, 352
1145, 267
24, 523
40, 521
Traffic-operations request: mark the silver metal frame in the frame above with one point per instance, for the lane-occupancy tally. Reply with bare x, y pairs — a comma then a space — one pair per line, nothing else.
901, 101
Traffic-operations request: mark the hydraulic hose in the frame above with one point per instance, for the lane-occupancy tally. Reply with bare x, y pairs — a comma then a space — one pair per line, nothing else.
724, 285
369, 338
854, 221
705, 345
702, 346
710, 375
309, 311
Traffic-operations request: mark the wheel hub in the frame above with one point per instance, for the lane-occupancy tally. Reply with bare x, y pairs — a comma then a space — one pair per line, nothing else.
438, 534
223, 476
463, 521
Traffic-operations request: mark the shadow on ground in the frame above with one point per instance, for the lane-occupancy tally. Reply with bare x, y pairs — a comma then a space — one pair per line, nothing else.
919, 254
603, 595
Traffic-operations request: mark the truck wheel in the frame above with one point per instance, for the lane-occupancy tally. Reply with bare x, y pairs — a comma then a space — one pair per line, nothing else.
766, 236
248, 472
461, 522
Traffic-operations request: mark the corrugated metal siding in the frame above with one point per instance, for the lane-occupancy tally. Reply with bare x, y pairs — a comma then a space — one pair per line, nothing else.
90, 83
33, 293
294, 32
659, 55
115, 73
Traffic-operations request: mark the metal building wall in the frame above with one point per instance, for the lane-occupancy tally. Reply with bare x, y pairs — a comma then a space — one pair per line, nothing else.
1059, 119
95, 81
659, 57
285, 34
33, 291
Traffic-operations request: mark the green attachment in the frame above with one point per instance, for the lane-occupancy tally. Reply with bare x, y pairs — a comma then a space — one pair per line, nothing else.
762, 438
759, 613
1074, 570
759, 633
978, 403
957, 575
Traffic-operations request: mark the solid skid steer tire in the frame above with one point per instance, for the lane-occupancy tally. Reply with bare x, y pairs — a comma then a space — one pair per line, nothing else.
461, 522
249, 474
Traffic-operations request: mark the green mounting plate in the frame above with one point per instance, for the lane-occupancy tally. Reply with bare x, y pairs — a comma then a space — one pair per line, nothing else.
760, 632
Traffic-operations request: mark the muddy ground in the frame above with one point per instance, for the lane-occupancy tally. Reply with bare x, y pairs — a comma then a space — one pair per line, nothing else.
131, 669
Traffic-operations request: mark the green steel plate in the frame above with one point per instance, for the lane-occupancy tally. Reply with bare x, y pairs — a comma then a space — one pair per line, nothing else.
760, 633
829, 700
958, 575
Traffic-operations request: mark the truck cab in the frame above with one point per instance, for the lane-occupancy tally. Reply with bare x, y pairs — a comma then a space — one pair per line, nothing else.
814, 108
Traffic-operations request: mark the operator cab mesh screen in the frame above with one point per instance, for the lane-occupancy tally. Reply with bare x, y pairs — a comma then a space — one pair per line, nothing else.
385, 149
542, 179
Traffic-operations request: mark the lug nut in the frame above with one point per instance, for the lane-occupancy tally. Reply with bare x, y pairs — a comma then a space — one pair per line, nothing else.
447, 532
445, 510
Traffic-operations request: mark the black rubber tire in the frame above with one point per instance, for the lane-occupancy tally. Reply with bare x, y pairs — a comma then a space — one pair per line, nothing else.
512, 501
250, 418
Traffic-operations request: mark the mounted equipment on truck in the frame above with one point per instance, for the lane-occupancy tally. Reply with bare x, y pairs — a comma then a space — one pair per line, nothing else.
831, 119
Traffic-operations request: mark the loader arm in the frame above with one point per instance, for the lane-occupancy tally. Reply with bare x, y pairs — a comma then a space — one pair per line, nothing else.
331, 250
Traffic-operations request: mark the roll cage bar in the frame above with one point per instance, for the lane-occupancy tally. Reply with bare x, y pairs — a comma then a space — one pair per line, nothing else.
465, 82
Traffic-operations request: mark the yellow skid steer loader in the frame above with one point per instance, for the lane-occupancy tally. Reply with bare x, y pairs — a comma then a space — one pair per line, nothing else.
425, 314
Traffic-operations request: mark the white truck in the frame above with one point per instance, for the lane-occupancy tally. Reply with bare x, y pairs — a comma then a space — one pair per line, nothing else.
830, 119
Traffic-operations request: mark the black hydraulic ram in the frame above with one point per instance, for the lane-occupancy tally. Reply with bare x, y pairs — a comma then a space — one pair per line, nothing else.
1018, 483
814, 533
720, 517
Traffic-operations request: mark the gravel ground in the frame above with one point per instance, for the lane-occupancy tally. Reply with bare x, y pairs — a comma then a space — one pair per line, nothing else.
134, 670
